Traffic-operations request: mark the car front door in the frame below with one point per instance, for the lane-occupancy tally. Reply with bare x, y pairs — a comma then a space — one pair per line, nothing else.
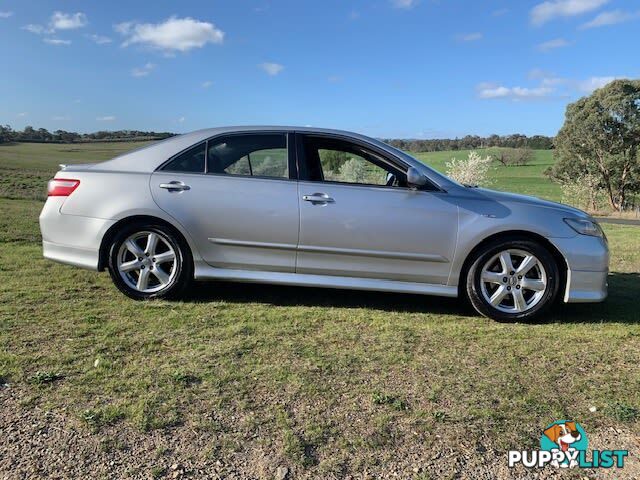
237, 197
359, 218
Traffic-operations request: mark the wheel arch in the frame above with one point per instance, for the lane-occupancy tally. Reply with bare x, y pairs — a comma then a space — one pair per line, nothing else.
103, 256
563, 266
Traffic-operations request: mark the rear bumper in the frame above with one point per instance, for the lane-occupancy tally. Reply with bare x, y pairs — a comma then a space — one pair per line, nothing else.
71, 255
71, 239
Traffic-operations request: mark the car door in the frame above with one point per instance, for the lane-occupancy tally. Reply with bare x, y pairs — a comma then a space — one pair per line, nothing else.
237, 197
359, 218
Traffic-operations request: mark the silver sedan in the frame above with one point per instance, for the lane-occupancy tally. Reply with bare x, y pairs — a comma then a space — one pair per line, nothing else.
318, 208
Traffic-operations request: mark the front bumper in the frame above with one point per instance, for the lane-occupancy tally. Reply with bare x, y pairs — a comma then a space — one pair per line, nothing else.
588, 268
586, 287
71, 239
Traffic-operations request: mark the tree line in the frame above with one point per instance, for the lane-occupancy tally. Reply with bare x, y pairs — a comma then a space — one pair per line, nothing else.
42, 135
470, 142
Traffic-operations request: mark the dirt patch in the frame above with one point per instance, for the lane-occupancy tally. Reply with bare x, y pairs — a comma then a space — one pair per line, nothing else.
41, 444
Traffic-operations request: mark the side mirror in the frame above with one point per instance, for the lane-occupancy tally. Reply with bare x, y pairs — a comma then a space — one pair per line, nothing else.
415, 178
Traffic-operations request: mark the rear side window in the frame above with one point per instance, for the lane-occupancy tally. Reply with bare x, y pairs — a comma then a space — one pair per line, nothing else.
191, 161
258, 155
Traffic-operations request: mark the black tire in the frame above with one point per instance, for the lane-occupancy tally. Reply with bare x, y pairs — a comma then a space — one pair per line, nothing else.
180, 273
542, 303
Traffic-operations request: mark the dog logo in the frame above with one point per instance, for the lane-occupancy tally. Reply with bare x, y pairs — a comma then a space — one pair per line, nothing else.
566, 437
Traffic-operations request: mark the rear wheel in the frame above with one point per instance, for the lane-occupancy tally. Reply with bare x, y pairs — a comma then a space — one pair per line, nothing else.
513, 280
149, 261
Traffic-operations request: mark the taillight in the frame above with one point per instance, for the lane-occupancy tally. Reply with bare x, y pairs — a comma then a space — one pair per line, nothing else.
61, 187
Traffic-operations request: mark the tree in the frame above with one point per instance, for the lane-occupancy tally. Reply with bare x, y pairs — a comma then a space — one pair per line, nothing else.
514, 156
354, 171
601, 136
333, 159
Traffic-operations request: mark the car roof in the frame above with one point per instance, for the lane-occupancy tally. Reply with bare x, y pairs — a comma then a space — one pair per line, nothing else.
149, 158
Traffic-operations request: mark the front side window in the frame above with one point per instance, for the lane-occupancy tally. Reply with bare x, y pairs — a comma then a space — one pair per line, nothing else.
259, 155
190, 161
334, 160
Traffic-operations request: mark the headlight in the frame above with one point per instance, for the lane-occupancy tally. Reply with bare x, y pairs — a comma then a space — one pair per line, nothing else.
584, 226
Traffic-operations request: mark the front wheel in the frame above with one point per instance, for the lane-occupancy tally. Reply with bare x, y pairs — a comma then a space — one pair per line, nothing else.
513, 280
149, 261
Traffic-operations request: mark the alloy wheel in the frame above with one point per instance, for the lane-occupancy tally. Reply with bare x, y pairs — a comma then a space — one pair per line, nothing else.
513, 281
147, 262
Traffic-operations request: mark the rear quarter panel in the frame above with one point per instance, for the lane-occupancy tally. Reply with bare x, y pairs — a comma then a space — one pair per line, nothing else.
115, 196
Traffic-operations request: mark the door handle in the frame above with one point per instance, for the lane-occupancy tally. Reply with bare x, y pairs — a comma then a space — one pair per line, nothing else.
318, 198
175, 186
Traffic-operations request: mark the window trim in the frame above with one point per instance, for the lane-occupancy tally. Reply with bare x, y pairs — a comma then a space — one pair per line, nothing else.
161, 168
392, 161
292, 166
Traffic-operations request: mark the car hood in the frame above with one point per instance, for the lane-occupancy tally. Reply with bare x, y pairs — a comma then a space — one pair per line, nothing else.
529, 200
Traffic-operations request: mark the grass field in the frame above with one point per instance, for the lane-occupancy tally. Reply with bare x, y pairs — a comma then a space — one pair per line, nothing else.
239, 380
526, 179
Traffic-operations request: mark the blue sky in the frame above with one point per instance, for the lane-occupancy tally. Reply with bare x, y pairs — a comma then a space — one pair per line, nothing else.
387, 68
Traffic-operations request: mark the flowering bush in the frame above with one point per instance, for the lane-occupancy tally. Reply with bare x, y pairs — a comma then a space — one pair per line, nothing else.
473, 170
584, 192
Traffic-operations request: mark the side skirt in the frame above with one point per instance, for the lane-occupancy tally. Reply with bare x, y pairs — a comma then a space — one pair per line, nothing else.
206, 272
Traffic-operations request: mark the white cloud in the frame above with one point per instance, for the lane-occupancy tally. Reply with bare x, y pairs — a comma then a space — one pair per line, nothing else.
143, 71
123, 28
591, 84
551, 9
58, 21
552, 44
492, 91
546, 79
23, 114
106, 118
56, 41
181, 120
207, 84
60, 118
174, 34
6, 14
100, 39
499, 12
611, 18
33, 28
469, 37
272, 69
67, 21
549, 85
404, 4
538, 73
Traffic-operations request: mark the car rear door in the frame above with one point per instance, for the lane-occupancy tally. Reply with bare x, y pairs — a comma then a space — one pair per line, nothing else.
353, 224
237, 197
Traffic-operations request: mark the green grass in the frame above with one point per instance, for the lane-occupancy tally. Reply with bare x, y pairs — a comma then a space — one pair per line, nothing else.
327, 382
25, 168
527, 179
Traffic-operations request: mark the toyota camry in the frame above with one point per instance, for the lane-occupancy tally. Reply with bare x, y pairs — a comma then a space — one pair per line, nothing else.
317, 208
